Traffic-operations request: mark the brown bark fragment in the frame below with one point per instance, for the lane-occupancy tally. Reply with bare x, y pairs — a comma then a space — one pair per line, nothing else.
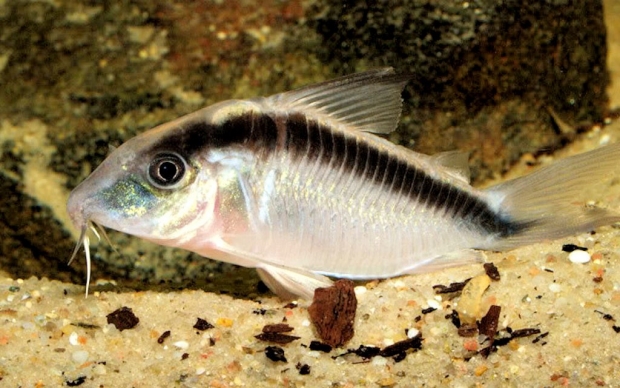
333, 312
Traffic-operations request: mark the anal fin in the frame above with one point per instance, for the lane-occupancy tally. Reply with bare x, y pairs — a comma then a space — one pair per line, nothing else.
290, 283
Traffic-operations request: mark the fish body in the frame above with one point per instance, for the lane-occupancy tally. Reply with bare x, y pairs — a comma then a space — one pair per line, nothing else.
298, 185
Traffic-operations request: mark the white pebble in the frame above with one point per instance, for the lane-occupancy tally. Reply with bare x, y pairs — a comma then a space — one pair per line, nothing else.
398, 284
200, 371
434, 304
578, 256
80, 356
411, 333
181, 344
73, 339
604, 140
360, 290
305, 323
554, 287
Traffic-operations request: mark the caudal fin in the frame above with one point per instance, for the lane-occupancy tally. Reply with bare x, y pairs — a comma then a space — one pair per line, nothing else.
550, 202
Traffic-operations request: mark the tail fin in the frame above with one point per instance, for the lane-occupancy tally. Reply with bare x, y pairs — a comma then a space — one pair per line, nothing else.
550, 202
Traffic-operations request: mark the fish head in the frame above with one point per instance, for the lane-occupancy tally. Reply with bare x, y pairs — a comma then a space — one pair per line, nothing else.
154, 186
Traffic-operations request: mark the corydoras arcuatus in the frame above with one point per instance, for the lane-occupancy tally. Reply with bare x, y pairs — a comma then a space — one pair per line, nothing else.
298, 186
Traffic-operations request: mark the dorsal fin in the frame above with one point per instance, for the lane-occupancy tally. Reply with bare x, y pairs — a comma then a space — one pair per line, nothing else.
370, 101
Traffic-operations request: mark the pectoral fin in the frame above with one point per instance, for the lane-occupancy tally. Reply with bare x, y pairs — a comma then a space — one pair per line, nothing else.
290, 283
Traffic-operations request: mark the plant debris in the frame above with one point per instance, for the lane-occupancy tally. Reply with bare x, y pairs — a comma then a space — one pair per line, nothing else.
123, 318
402, 346
488, 327
275, 353
273, 333
202, 324
362, 351
491, 270
525, 333
398, 350
277, 338
333, 312
453, 287
277, 328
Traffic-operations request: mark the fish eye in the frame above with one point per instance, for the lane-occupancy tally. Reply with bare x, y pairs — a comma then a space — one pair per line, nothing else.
166, 170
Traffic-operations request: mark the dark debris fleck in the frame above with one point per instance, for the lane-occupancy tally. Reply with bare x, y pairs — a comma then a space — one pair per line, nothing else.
202, 324
304, 369
277, 338
428, 310
163, 337
539, 337
365, 351
399, 357
277, 328
572, 247
275, 353
453, 287
77, 382
320, 346
123, 318
607, 317
290, 305
402, 346
524, 333
454, 318
491, 270
86, 325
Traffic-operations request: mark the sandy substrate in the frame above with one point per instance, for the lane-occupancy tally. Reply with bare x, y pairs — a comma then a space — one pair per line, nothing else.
50, 335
